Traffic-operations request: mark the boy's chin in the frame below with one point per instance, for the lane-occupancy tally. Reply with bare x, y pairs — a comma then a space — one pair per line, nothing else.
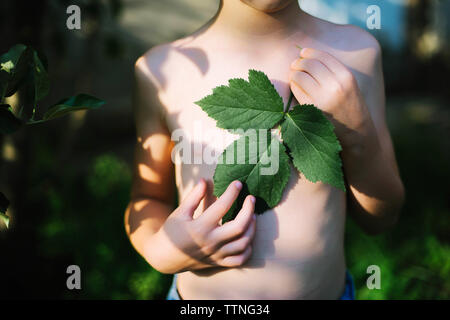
268, 6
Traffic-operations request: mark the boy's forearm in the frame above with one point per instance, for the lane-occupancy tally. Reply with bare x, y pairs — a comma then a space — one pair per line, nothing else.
143, 218
375, 189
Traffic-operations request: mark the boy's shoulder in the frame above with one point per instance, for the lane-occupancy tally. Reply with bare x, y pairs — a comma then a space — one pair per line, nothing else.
344, 36
161, 60
351, 44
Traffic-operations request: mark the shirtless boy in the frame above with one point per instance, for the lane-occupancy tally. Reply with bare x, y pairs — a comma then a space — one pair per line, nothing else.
295, 250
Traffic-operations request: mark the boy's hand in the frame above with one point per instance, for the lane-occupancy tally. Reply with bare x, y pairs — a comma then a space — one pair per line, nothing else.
184, 243
319, 78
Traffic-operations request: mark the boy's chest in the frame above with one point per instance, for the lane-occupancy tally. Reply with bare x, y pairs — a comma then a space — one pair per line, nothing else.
197, 139
190, 86
189, 83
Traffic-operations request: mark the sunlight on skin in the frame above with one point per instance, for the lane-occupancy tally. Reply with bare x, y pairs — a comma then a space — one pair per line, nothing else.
148, 174
145, 172
154, 138
138, 205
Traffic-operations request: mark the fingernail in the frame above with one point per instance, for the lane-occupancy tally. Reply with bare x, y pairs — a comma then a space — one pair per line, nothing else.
303, 51
238, 185
252, 199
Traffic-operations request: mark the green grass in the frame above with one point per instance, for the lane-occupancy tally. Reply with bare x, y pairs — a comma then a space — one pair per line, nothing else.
85, 224
415, 256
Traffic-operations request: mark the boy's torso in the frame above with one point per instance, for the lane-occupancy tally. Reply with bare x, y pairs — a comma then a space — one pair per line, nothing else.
298, 247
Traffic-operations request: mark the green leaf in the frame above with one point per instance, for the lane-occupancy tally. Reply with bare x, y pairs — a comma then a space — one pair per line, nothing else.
75, 103
17, 62
8, 61
28, 101
253, 171
4, 204
313, 145
4, 79
8, 121
253, 104
5, 219
41, 80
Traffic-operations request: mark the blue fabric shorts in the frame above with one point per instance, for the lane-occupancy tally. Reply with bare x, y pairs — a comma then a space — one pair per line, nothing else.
349, 292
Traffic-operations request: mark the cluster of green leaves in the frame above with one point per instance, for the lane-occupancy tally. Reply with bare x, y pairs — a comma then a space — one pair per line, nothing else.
306, 133
23, 68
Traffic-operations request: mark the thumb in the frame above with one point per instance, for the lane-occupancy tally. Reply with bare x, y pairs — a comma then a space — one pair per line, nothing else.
192, 200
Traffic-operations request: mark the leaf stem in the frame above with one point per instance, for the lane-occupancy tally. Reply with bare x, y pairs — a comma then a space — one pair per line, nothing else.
286, 108
36, 121
21, 111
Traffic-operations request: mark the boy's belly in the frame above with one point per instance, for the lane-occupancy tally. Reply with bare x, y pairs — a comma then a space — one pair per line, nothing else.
297, 250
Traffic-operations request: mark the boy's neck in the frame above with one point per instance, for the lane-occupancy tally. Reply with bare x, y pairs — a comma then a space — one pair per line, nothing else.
239, 20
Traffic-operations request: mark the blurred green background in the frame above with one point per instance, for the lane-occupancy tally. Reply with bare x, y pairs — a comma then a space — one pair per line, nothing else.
69, 180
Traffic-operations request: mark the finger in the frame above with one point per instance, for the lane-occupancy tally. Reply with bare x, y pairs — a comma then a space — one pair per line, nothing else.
303, 86
237, 260
237, 227
218, 209
300, 95
192, 200
315, 68
327, 59
238, 246
209, 197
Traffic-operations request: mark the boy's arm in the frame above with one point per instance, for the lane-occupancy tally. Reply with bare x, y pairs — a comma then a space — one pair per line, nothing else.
153, 181
375, 189
376, 192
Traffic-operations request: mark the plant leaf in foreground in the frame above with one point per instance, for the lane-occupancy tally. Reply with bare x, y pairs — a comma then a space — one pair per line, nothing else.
75, 103
313, 145
264, 172
252, 104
